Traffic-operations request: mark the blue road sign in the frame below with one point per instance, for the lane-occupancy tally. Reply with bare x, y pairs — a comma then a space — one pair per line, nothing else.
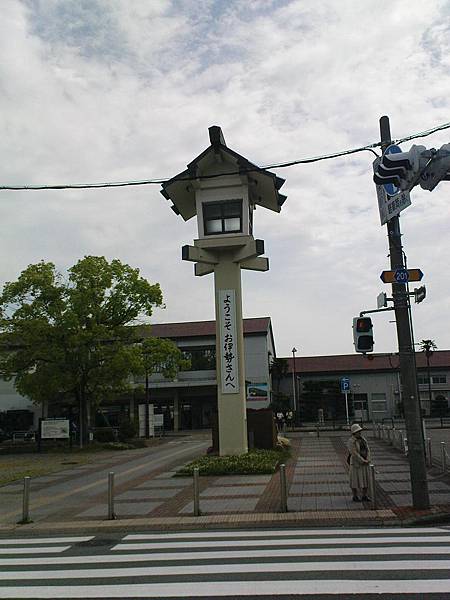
390, 188
401, 276
345, 384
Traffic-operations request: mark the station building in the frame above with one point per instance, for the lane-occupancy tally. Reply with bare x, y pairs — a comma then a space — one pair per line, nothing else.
190, 401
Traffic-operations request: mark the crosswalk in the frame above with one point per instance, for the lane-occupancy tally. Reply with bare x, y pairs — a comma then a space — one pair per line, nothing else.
231, 564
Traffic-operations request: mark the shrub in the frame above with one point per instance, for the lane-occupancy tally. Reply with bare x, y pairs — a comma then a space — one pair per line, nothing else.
118, 446
255, 462
106, 434
127, 430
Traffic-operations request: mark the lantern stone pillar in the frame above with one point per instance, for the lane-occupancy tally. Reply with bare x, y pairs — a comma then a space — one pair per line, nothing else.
223, 188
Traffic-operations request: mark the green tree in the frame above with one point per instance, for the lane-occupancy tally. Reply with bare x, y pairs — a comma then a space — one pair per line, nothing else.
69, 339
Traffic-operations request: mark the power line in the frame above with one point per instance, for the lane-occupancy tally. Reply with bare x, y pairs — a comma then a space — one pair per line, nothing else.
282, 165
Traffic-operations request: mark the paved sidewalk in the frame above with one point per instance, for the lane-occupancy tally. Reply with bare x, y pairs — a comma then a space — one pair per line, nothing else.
318, 495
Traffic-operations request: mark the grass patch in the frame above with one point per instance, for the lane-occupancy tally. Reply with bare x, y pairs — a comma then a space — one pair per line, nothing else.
255, 462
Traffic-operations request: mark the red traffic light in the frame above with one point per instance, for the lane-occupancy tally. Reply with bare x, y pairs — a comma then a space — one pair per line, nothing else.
364, 325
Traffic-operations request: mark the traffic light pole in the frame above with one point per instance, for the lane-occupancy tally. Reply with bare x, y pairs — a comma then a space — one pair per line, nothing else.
408, 375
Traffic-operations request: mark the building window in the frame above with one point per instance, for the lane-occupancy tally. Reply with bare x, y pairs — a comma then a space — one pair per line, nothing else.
222, 217
422, 379
439, 379
202, 358
379, 405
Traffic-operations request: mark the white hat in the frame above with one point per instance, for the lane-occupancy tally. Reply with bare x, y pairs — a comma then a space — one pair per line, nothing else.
355, 428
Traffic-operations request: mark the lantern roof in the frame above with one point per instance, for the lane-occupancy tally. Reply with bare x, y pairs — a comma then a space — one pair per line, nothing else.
219, 161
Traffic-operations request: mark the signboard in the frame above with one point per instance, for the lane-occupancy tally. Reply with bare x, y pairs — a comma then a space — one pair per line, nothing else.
257, 395
345, 384
228, 342
401, 275
151, 420
390, 206
55, 429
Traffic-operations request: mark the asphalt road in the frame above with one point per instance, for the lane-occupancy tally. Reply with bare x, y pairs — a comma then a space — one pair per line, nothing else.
278, 563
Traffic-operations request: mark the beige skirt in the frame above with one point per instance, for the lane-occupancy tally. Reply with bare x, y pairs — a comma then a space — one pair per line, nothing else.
359, 476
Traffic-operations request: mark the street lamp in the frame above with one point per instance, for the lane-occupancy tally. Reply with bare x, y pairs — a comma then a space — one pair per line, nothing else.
294, 386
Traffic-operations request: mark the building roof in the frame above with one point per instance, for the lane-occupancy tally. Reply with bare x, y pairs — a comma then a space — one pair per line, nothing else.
259, 325
182, 195
347, 363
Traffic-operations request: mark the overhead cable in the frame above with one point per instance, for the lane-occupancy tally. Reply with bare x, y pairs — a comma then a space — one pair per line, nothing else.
159, 181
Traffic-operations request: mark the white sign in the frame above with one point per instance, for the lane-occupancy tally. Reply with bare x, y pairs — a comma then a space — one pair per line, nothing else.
55, 429
151, 420
390, 206
228, 342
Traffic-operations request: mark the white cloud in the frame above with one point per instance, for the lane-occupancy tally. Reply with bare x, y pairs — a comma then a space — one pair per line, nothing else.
103, 91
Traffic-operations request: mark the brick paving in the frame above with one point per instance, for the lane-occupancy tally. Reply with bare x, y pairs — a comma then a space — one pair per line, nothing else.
318, 494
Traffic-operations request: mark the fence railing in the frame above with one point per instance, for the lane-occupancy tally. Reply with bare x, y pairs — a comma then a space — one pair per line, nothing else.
398, 439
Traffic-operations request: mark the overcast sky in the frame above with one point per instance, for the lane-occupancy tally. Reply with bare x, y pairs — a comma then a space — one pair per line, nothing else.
112, 90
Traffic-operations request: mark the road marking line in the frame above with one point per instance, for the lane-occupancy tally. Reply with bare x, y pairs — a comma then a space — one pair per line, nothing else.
67, 540
232, 589
38, 550
274, 542
230, 554
287, 533
406, 565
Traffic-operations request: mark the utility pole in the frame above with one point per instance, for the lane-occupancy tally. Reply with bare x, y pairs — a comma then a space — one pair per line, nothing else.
408, 374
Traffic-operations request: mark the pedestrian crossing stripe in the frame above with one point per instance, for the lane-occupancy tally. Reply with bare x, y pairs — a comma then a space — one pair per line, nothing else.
285, 533
38, 550
233, 589
31, 541
232, 554
208, 569
274, 542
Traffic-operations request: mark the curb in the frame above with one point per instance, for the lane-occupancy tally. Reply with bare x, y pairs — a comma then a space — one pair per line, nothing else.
313, 519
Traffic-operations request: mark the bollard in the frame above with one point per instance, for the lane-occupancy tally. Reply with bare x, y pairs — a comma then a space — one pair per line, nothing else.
405, 446
26, 501
372, 486
283, 488
196, 493
402, 443
443, 457
318, 431
429, 453
111, 513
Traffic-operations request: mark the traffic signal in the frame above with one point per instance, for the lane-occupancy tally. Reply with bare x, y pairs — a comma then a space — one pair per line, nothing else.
363, 334
420, 294
401, 168
436, 168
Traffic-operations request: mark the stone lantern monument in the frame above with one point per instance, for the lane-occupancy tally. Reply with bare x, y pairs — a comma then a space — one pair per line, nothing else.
222, 188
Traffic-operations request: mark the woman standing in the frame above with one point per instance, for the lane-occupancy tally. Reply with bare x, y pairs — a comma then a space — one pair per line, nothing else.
359, 464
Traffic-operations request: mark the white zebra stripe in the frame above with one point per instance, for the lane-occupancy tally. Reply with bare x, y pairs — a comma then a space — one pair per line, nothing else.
230, 554
232, 589
208, 569
30, 541
283, 533
34, 550
275, 542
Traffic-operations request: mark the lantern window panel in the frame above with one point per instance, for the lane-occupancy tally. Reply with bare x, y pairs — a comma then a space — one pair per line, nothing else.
222, 217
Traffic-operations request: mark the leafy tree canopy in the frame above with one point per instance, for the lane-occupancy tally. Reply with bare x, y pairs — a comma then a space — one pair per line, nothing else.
70, 337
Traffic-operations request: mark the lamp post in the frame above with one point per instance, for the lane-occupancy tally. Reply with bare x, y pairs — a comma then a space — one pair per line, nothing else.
294, 386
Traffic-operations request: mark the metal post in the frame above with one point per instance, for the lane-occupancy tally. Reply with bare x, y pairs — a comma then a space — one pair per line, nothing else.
407, 359
443, 457
346, 407
372, 486
26, 502
429, 453
111, 513
196, 493
405, 446
283, 488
